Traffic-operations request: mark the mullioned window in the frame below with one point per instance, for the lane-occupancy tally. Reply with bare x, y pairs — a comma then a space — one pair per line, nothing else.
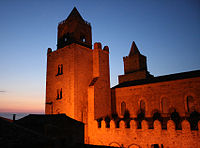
60, 69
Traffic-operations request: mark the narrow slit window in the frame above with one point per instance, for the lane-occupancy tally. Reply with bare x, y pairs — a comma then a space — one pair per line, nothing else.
58, 69
61, 93
61, 69
57, 94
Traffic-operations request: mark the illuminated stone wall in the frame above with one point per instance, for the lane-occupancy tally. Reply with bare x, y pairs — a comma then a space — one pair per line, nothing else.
102, 97
81, 67
144, 137
167, 134
175, 92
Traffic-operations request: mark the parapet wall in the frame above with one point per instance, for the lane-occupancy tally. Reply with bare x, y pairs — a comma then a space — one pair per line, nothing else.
144, 137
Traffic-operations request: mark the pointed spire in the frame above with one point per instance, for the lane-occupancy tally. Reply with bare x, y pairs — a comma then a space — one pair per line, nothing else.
134, 49
74, 15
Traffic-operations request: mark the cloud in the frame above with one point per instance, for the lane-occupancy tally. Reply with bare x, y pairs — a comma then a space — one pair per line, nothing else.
2, 91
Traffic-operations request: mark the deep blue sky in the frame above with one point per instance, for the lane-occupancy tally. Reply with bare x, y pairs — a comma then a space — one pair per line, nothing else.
166, 31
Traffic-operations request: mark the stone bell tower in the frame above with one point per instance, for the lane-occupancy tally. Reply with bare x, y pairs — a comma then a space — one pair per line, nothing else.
74, 30
73, 68
135, 66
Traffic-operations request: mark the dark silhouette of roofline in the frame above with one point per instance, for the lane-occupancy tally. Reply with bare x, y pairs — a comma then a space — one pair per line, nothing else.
165, 78
74, 14
134, 49
48, 117
9, 120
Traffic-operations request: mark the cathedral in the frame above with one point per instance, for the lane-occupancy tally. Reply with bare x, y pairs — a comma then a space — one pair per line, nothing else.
141, 111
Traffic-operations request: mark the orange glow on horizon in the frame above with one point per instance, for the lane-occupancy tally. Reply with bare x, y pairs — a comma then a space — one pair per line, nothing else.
21, 103
20, 110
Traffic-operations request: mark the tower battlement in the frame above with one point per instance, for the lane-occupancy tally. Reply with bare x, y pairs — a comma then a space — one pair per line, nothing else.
145, 137
65, 21
144, 124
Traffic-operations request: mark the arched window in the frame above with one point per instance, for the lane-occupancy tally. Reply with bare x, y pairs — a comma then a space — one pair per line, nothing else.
142, 105
60, 69
157, 116
123, 108
83, 39
141, 113
190, 104
176, 118
65, 39
165, 105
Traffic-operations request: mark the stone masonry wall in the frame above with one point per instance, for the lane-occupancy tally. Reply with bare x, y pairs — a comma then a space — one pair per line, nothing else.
175, 92
144, 137
102, 94
82, 67
77, 75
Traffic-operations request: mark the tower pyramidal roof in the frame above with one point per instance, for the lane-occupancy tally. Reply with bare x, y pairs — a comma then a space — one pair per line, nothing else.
134, 49
74, 29
74, 15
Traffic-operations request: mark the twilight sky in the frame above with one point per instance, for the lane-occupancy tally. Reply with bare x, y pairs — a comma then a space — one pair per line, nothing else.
166, 31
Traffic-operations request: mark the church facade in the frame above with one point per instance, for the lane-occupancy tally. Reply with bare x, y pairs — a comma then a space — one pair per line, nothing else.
141, 111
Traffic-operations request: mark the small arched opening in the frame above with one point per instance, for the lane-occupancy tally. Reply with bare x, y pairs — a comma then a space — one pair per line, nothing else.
176, 118
140, 117
193, 119
66, 37
141, 113
83, 39
107, 120
157, 116
99, 122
